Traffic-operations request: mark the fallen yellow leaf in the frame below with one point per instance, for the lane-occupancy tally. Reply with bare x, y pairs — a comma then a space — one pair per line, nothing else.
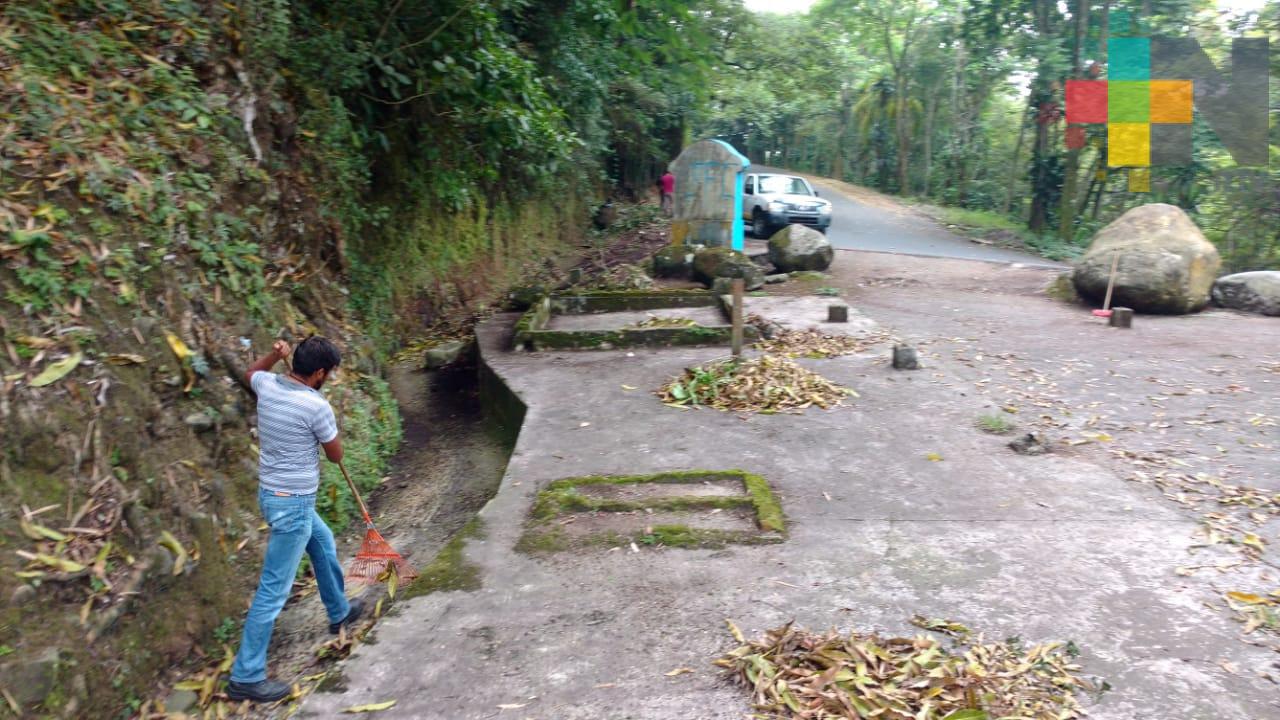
56, 371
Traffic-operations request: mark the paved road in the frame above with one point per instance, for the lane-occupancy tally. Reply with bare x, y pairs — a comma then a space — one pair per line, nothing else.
856, 225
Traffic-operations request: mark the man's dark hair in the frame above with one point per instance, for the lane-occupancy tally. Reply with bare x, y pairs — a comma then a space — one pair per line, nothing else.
315, 353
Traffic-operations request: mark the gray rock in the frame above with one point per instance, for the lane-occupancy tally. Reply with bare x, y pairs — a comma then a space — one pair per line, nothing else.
31, 680
675, 261
202, 421
722, 262
905, 358
838, 313
231, 412
1257, 291
22, 595
1031, 444
775, 279
444, 354
796, 247
180, 701
768, 328
1165, 263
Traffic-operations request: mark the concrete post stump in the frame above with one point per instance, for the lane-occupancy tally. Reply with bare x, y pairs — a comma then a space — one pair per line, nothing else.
1121, 317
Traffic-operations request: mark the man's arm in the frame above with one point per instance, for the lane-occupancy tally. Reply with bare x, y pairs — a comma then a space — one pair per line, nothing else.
333, 449
279, 351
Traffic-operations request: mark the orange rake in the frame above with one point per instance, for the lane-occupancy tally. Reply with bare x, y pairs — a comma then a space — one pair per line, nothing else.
376, 557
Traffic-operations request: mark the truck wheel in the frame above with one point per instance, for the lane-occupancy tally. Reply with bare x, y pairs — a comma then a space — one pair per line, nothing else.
759, 225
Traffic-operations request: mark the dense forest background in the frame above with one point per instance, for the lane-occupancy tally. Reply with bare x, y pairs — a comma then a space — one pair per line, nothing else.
182, 179
961, 104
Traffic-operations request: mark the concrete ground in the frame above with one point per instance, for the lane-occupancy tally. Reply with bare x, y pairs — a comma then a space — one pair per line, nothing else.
1056, 547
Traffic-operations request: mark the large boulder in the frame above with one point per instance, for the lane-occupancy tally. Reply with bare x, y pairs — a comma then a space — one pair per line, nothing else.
1165, 263
1257, 291
722, 262
797, 247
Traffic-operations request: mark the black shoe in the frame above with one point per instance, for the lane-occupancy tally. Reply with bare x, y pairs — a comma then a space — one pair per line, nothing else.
261, 691
357, 609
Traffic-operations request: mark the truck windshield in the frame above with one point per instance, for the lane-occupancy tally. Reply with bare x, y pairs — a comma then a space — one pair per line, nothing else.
783, 184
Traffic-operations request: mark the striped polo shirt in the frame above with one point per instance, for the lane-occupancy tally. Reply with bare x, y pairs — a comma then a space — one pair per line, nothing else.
293, 420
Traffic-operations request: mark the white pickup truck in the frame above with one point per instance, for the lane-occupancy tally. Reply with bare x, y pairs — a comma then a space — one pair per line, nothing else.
771, 201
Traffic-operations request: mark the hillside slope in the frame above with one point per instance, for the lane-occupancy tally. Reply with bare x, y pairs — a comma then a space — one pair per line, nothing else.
178, 187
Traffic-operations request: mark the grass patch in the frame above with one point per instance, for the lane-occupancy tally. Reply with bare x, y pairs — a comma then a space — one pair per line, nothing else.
992, 227
995, 424
976, 220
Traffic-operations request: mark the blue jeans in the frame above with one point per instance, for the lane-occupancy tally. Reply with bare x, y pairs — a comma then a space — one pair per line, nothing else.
295, 527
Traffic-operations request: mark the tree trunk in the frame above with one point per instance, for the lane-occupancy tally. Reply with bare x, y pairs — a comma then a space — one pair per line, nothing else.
1013, 167
931, 106
903, 133
1067, 206
1041, 101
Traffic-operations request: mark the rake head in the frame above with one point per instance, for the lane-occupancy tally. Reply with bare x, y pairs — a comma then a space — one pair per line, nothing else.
377, 560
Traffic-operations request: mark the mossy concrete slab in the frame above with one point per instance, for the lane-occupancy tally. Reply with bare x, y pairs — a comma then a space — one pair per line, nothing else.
556, 322
1057, 547
682, 509
621, 320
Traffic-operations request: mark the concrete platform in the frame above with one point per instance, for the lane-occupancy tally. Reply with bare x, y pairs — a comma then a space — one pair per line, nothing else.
802, 312
1055, 547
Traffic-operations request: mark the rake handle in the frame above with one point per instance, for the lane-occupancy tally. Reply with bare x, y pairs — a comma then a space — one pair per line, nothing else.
363, 509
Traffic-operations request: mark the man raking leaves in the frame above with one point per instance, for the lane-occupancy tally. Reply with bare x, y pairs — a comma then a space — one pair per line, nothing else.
293, 419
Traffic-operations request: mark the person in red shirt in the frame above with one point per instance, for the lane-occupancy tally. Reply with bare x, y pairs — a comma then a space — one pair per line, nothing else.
667, 187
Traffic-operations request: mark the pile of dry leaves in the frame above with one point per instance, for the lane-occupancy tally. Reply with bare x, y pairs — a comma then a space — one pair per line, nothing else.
797, 674
813, 343
663, 321
765, 384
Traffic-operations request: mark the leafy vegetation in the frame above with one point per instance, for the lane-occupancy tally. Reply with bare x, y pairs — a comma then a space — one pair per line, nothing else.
371, 434
117, 156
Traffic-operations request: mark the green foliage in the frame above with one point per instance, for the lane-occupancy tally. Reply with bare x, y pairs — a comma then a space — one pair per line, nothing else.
227, 631
371, 433
119, 156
